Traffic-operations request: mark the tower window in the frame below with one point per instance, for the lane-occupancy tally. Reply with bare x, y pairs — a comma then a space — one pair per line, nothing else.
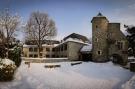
96, 39
99, 52
96, 26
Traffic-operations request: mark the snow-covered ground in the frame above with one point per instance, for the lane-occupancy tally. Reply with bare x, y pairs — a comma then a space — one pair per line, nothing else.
87, 75
129, 84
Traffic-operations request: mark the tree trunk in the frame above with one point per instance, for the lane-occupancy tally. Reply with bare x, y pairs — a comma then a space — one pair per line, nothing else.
39, 52
7, 47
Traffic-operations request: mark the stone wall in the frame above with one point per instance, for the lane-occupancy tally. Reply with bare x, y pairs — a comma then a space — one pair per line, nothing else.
99, 36
74, 48
116, 35
105, 39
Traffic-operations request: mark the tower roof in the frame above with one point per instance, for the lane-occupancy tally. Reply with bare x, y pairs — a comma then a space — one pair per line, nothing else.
99, 14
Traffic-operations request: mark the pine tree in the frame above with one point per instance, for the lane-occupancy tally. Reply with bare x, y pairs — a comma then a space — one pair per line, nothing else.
131, 37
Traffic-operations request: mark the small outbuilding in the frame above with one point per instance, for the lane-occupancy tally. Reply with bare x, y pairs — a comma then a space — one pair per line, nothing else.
86, 53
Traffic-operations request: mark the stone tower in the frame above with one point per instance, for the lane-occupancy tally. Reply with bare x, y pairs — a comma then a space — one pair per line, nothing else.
99, 38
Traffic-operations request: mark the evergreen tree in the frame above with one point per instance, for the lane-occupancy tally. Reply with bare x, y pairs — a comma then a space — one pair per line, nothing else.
131, 38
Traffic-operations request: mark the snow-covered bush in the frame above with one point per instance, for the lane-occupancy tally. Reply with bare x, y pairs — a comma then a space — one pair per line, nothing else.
7, 69
15, 55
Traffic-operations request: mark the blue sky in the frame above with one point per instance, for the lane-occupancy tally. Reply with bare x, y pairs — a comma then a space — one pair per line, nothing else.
74, 15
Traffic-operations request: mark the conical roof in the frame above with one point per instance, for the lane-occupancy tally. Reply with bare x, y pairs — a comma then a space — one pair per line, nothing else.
99, 14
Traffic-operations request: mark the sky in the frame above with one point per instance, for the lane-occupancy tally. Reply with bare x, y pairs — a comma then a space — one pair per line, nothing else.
73, 16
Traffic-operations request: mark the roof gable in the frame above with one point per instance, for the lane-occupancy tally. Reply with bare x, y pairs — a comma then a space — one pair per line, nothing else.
77, 36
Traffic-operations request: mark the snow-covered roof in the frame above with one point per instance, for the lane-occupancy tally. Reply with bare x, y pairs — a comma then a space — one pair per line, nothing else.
29, 45
73, 40
86, 48
132, 57
76, 36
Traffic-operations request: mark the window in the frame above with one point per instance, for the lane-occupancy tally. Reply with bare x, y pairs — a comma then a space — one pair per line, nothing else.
53, 56
47, 56
47, 49
61, 47
96, 26
35, 55
31, 49
30, 55
96, 39
99, 52
65, 56
120, 45
35, 49
53, 49
65, 47
40, 54
57, 56
58, 48
41, 49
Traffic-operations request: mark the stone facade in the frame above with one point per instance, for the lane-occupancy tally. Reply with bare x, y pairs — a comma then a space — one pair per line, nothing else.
32, 51
68, 48
107, 39
99, 36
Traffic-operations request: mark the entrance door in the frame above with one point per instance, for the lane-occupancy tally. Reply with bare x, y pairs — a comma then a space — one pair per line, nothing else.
86, 57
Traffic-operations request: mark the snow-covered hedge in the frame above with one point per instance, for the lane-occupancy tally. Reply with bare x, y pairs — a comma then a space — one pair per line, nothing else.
7, 69
15, 55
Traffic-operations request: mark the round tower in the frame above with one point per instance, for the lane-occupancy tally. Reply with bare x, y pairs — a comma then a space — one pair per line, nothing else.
99, 38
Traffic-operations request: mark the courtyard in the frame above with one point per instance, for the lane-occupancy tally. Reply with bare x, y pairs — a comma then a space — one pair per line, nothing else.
87, 75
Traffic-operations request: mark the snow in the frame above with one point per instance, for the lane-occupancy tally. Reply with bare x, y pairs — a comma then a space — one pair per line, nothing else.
25, 45
132, 57
7, 62
86, 48
73, 40
69, 39
87, 75
29, 45
46, 58
129, 84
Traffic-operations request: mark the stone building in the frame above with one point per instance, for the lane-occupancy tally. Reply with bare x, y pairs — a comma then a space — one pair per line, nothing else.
30, 49
70, 48
108, 41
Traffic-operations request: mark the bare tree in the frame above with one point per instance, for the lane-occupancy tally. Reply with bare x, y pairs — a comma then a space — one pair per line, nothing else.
40, 27
8, 25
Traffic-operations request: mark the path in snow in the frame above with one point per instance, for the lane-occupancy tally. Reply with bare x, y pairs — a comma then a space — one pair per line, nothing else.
83, 76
